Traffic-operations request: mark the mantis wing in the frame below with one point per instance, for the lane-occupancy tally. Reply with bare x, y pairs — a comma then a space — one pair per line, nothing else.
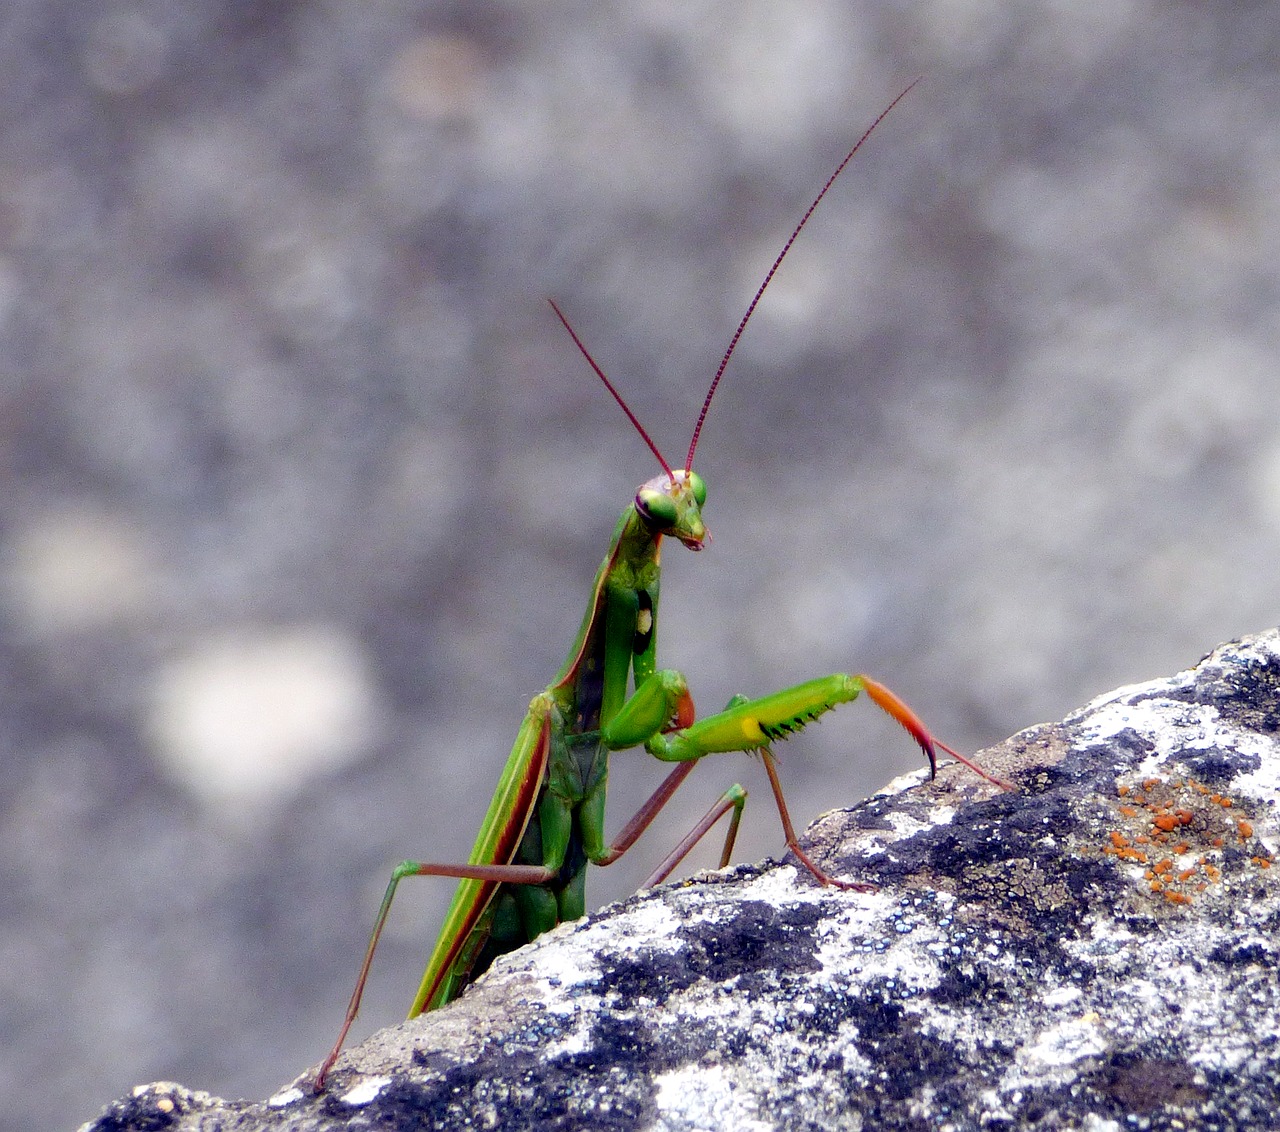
512, 807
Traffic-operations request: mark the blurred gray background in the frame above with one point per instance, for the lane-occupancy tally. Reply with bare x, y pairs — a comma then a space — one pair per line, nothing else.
303, 485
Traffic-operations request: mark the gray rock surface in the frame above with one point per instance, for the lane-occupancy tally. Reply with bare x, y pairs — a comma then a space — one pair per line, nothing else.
1095, 951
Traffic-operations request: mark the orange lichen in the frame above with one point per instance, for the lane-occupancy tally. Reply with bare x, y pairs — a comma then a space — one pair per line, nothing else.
1204, 821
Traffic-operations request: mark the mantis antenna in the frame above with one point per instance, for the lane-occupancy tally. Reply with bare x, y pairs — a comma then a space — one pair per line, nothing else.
742, 325
768, 278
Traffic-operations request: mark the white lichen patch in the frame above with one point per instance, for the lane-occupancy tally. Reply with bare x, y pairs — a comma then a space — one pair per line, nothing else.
897, 941
1231, 1054
1056, 1048
365, 1092
905, 825
1061, 996
707, 1096
285, 1097
1127, 692
1171, 725
651, 920
1263, 784
1159, 711
781, 886
565, 957
576, 1040
854, 1062
901, 824
903, 782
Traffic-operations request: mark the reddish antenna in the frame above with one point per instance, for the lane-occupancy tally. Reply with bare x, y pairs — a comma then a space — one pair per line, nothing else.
616, 395
751, 307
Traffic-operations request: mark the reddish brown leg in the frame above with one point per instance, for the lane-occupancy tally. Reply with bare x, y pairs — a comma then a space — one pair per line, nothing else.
732, 799
793, 843
645, 814
499, 874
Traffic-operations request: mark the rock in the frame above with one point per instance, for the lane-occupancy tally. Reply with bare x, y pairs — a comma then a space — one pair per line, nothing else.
1093, 951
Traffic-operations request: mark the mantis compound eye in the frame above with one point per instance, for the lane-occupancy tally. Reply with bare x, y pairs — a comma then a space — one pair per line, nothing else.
656, 508
698, 486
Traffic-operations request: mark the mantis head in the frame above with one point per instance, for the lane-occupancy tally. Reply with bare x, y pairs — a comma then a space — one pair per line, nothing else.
671, 504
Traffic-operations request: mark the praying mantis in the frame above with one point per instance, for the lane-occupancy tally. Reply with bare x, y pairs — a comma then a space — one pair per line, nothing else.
527, 870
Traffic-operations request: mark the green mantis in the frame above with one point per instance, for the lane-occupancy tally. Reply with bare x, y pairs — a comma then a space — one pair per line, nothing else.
527, 870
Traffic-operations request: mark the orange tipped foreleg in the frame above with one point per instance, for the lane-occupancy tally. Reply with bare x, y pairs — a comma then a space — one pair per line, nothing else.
752, 725
891, 704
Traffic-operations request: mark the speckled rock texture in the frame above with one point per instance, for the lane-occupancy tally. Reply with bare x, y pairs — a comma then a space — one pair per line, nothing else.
1093, 951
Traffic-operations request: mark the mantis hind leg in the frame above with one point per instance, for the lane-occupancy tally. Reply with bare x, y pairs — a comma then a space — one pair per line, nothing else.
500, 874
